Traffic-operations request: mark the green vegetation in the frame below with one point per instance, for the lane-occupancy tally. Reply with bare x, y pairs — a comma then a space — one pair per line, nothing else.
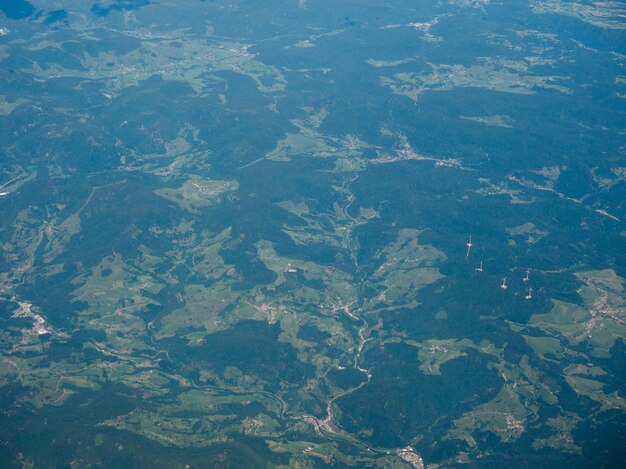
598, 321
602, 14
197, 192
228, 239
495, 74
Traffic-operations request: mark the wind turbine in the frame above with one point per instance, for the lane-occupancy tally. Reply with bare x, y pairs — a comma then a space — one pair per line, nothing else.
530, 293
469, 247
503, 286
